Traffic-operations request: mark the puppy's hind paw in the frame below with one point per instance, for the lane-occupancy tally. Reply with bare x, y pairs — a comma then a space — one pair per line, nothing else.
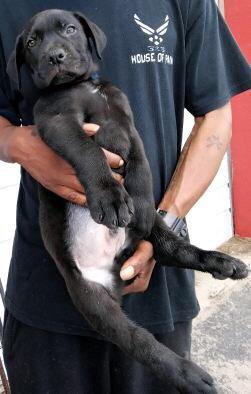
192, 379
228, 267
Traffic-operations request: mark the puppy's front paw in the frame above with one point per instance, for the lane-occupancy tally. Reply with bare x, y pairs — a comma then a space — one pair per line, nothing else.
225, 266
111, 206
191, 379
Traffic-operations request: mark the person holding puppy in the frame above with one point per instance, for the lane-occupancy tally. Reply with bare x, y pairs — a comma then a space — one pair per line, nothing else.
43, 331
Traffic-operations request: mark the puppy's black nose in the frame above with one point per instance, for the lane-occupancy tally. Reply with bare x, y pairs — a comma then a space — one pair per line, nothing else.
57, 56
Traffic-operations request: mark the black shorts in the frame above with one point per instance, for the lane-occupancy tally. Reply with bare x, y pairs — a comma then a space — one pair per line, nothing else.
44, 362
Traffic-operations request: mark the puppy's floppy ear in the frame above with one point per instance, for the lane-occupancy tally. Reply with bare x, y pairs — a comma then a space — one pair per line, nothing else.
16, 60
93, 32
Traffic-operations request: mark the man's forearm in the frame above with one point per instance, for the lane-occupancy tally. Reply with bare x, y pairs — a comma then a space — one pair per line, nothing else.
199, 161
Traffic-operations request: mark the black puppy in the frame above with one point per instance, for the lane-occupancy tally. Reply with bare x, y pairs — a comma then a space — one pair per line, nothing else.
90, 244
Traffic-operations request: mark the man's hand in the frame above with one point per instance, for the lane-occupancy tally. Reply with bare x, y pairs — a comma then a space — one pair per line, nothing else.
140, 267
48, 168
114, 160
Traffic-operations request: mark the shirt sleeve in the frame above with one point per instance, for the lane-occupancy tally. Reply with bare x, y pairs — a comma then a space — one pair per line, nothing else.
216, 70
8, 108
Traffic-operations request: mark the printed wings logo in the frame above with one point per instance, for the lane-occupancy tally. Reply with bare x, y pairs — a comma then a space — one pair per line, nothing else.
155, 34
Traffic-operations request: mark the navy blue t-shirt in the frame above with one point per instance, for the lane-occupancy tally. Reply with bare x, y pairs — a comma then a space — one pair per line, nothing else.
165, 55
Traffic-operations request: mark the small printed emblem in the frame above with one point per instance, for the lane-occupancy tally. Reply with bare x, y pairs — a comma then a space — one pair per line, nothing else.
155, 51
155, 34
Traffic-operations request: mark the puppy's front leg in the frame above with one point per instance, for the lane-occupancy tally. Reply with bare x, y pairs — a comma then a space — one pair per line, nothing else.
138, 183
108, 201
171, 250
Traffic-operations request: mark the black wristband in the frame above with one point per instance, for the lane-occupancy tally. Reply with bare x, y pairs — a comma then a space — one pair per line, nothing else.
177, 225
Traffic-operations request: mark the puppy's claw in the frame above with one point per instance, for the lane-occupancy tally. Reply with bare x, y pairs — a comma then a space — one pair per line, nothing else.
111, 206
115, 223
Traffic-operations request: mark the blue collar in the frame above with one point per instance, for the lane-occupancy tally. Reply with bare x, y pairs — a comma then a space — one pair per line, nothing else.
95, 77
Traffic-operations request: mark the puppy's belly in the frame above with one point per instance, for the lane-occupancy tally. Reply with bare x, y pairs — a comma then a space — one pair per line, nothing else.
93, 246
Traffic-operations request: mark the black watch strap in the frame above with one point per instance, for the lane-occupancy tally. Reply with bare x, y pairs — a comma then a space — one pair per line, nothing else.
177, 225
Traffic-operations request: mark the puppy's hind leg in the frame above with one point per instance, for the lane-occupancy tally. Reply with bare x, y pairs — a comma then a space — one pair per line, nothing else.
104, 314
171, 250
101, 309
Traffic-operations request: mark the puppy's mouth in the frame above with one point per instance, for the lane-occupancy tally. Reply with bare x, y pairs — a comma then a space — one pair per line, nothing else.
58, 75
63, 77
64, 73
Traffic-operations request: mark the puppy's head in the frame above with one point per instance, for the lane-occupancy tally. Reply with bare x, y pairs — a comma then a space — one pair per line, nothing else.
57, 46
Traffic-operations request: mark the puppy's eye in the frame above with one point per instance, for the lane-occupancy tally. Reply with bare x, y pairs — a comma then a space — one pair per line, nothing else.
31, 43
70, 29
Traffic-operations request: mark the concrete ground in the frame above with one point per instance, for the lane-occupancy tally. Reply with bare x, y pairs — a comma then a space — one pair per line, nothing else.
222, 332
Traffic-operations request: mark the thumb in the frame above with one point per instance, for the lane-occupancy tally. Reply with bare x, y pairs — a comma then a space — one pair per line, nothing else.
90, 128
137, 262
114, 161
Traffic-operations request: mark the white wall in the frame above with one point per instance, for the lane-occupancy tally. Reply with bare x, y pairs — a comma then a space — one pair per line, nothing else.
9, 180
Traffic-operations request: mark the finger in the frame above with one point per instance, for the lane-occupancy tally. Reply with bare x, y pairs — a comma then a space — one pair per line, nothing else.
70, 195
65, 168
141, 282
137, 261
71, 182
115, 161
118, 177
90, 128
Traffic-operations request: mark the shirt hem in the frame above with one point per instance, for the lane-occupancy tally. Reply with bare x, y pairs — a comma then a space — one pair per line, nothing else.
69, 329
10, 116
204, 109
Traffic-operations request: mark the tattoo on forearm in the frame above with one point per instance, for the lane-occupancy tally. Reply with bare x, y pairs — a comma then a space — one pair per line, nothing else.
34, 132
214, 140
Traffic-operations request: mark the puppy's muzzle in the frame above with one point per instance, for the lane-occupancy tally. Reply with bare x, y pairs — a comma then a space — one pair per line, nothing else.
57, 56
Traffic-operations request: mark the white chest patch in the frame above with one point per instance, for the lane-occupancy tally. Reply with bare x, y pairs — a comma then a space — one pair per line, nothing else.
93, 246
